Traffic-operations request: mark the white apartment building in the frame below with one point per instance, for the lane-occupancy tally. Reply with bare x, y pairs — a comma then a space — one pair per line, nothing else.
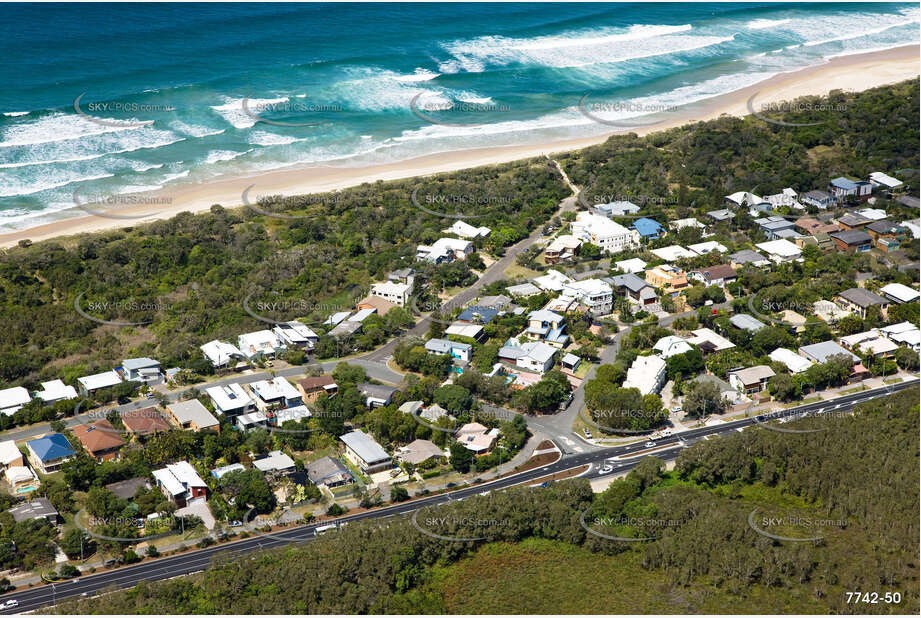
396, 293
610, 236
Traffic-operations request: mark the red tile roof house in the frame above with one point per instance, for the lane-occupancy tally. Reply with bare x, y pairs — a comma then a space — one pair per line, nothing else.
144, 422
100, 439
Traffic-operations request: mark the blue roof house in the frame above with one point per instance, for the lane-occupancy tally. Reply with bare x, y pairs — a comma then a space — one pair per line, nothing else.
648, 228
49, 452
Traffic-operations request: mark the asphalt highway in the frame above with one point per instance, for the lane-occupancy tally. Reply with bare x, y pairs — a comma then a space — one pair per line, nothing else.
618, 459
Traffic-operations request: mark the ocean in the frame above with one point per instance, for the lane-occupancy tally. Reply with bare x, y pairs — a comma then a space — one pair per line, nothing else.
103, 100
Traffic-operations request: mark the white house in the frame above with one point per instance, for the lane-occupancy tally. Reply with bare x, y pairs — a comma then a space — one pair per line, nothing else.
609, 236
553, 281
455, 349
260, 343
56, 390
899, 293
13, 399
594, 294
181, 484
703, 248
793, 361
277, 392
230, 400
633, 265
465, 230
879, 180
296, 335
751, 380
395, 292
647, 373
90, 384
221, 354
365, 452
669, 346
780, 251
673, 252
537, 356
146, 370
445, 250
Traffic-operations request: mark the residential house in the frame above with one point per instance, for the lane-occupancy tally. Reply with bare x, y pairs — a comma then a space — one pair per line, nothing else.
821, 352
873, 214
362, 450
181, 484
312, 387
793, 361
251, 420
720, 275
87, 385
476, 314
328, 472
294, 413
691, 222
853, 221
842, 188
819, 199
821, 240
647, 374
465, 230
747, 256
903, 333
337, 318
829, 311
745, 199
636, 290
537, 357
703, 248
468, 331
595, 295
553, 281
548, 326
402, 275
708, 341
499, 302
721, 215
48, 453
751, 380
296, 334
670, 279
563, 247
871, 343
275, 464
379, 305
523, 290
22, 480
609, 236
10, 455
393, 292
444, 250
454, 349
746, 322
671, 345
273, 394
13, 399
673, 252
773, 225
376, 395
633, 265
55, 391
899, 294
476, 437
221, 354
860, 300
40, 508
127, 489
261, 343
887, 235
886, 183
144, 370
618, 209
570, 362
786, 198
780, 251
101, 440
347, 328
222, 471
192, 415
808, 225
361, 315
144, 422
648, 228
419, 451
851, 241
230, 400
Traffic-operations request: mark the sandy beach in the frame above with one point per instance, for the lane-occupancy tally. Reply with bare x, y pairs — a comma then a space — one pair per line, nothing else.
853, 73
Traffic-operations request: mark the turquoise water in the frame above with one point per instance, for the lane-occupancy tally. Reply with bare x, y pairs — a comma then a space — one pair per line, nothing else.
348, 75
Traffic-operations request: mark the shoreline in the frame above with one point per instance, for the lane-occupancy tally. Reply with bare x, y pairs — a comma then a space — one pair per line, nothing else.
851, 73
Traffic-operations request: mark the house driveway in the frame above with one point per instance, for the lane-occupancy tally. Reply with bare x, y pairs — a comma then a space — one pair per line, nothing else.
201, 509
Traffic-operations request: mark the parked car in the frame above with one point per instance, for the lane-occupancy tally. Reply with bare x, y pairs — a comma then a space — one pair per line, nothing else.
123, 400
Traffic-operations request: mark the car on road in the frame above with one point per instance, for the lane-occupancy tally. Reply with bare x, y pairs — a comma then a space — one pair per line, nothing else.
649, 444
588, 434
759, 418
9, 604
676, 409
607, 468
123, 400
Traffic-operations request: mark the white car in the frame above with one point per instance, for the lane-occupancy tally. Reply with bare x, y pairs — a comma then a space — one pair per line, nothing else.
606, 469
9, 604
649, 444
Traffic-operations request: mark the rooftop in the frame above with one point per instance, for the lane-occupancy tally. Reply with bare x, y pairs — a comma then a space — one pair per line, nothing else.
365, 447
